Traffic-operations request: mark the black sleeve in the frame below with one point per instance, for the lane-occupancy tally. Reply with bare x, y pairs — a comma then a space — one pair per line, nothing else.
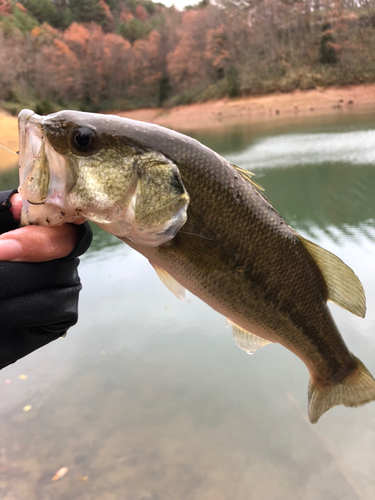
38, 301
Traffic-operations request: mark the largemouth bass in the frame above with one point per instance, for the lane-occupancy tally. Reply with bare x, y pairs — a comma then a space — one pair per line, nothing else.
204, 225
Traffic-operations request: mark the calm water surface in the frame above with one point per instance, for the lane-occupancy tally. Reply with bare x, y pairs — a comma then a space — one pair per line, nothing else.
150, 398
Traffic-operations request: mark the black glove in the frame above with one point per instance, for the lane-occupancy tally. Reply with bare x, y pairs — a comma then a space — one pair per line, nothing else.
38, 301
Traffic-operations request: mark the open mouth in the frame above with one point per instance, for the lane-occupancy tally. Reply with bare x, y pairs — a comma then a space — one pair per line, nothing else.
42, 175
31, 137
34, 172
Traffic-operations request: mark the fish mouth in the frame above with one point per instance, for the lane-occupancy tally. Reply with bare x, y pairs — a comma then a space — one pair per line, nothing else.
43, 174
31, 137
33, 186
30, 146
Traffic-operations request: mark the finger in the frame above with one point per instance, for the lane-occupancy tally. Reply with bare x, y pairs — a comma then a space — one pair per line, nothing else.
38, 243
16, 207
79, 221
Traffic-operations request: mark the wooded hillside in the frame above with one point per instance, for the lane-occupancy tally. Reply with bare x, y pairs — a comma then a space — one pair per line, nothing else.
121, 54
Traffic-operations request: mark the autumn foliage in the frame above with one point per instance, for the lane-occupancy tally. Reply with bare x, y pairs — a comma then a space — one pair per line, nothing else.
102, 54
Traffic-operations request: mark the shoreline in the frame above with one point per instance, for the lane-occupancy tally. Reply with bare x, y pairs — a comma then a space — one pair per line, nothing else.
226, 113
260, 109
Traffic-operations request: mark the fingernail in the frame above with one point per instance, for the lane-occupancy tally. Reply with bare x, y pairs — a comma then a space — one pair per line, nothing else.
10, 249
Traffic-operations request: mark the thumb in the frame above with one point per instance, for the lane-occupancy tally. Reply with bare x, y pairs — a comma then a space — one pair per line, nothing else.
38, 243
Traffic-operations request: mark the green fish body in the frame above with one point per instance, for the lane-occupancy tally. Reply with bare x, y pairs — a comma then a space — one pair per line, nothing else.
204, 225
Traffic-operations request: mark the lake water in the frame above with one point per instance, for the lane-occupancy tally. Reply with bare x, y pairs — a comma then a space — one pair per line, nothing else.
148, 397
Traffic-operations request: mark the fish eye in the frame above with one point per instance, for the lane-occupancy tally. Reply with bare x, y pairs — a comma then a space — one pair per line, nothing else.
84, 140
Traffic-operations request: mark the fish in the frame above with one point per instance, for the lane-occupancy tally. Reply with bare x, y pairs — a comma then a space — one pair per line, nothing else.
205, 225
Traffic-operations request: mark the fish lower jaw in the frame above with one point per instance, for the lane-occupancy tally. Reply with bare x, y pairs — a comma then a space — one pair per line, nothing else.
46, 215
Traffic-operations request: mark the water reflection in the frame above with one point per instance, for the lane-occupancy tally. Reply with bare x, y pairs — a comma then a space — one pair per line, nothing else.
9, 178
101, 240
355, 148
151, 398
313, 187
323, 196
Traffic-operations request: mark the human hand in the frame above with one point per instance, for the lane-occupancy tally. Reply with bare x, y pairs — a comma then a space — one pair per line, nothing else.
37, 243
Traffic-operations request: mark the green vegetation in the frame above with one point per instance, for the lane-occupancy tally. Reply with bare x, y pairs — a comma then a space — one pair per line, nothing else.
107, 54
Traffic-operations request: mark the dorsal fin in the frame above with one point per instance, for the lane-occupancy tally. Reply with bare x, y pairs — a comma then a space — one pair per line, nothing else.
344, 287
248, 176
173, 285
245, 340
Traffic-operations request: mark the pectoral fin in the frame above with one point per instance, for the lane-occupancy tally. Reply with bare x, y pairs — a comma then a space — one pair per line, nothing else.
173, 285
344, 287
247, 341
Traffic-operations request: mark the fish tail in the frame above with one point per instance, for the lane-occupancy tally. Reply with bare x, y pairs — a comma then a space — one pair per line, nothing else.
356, 389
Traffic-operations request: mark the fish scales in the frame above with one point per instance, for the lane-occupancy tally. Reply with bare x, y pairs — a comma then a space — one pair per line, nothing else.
224, 242
241, 285
249, 277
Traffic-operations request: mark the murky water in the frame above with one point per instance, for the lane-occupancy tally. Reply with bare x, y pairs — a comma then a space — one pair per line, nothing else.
150, 398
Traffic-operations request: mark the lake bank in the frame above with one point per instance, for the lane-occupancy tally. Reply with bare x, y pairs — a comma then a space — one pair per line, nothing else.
9, 139
273, 108
259, 109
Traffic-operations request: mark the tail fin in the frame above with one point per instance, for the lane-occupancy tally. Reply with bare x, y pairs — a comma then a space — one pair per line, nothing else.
356, 390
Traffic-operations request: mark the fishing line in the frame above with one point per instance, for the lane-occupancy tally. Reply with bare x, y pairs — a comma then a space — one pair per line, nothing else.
10, 151
198, 235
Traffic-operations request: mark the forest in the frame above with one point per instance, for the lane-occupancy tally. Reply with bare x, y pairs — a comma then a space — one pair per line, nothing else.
123, 54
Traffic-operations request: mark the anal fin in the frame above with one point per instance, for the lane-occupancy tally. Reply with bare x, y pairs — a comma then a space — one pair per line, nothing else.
246, 341
173, 285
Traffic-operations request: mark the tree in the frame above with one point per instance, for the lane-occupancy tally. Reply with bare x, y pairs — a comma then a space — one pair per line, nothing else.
148, 67
43, 11
186, 62
118, 70
327, 48
87, 11
216, 50
64, 70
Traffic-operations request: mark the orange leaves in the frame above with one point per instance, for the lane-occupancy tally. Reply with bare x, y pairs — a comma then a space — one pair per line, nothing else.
62, 49
216, 43
91, 64
149, 48
21, 7
147, 64
76, 34
114, 45
35, 32
141, 13
126, 15
188, 63
62, 65
5, 7
185, 62
106, 10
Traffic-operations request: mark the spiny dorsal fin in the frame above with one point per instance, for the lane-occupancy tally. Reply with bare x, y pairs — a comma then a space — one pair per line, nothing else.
344, 287
246, 341
173, 285
248, 176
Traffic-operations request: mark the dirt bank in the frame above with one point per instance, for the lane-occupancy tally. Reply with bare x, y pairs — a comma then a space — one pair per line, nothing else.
8, 138
226, 112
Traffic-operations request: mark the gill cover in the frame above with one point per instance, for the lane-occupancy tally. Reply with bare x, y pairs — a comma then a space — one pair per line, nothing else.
158, 206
